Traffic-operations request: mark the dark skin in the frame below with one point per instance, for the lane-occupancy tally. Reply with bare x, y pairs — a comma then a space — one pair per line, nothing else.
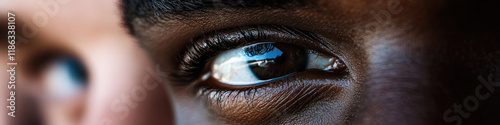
407, 62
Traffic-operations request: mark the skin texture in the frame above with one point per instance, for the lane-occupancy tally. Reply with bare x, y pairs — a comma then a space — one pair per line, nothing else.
408, 61
116, 65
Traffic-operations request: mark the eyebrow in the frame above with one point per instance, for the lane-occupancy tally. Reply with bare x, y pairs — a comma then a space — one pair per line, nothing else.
153, 11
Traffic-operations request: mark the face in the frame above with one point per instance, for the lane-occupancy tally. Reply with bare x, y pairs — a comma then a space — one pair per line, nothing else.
254, 62
79, 68
324, 61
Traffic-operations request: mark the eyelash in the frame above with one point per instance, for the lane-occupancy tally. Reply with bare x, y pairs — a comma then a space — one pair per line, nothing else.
208, 45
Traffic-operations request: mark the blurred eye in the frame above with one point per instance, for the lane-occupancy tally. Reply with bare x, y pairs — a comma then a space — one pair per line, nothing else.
65, 77
267, 61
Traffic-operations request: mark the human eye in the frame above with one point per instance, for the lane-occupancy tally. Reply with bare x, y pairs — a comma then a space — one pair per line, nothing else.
66, 76
266, 61
62, 76
254, 74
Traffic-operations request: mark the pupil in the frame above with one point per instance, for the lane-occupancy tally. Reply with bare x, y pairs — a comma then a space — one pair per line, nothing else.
273, 60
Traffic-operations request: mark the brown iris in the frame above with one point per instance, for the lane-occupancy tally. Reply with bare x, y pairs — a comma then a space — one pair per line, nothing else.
273, 60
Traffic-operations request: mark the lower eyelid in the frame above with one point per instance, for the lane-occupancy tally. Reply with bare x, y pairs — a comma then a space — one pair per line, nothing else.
232, 68
288, 96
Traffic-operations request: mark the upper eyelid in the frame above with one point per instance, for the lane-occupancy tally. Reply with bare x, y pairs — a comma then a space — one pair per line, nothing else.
207, 45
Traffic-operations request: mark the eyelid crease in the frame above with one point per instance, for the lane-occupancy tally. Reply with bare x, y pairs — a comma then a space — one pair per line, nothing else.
208, 45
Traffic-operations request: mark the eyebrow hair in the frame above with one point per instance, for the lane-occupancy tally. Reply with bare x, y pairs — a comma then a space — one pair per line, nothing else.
153, 11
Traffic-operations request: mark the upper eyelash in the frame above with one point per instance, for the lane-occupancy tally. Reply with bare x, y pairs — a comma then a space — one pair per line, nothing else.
208, 45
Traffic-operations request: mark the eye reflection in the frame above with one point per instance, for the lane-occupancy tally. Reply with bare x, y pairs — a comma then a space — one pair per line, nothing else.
267, 61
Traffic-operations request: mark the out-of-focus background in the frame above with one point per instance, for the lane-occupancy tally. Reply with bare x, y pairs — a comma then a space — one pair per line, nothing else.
77, 64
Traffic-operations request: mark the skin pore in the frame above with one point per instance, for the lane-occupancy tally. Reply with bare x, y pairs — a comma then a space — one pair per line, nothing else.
407, 61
